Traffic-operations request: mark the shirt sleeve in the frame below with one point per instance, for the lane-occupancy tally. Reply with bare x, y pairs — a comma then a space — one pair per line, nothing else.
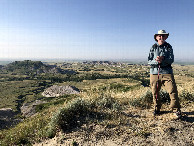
169, 57
151, 59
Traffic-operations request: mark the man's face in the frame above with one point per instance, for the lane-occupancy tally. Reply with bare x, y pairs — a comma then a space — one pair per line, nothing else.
161, 38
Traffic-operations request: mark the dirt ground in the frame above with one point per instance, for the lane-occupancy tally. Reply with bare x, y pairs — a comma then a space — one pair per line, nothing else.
141, 128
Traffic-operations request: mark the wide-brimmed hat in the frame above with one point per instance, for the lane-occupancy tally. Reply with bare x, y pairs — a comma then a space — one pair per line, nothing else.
161, 32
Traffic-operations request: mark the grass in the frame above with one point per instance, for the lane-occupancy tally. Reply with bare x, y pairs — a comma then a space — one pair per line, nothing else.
54, 102
101, 101
119, 87
77, 110
186, 96
68, 116
145, 101
27, 132
35, 128
13, 91
106, 101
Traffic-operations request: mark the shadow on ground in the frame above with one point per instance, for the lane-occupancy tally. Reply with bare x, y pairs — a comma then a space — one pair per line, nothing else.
189, 117
7, 118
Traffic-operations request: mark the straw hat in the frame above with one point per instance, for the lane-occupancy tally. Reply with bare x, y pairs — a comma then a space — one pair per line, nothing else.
161, 32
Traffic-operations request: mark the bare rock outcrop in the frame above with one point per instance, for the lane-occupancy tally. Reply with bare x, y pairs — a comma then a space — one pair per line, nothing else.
55, 91
29, 109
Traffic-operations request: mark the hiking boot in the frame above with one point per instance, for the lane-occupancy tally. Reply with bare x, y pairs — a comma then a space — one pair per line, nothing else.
156, 112
178, 114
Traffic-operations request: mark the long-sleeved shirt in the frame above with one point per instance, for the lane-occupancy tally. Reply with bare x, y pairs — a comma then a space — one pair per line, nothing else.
161, 50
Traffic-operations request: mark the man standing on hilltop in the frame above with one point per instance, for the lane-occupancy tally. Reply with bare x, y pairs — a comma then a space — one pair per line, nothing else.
160, 59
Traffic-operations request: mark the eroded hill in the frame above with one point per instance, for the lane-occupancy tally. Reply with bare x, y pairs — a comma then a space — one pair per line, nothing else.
114, 107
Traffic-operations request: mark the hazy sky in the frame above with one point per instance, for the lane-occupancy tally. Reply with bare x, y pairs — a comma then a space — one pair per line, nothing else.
93, 29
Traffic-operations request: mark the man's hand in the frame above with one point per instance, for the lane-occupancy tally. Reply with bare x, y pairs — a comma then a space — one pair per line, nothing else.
159, 59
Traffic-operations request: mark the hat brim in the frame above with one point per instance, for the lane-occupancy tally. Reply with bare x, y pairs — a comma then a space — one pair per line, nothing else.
160, 34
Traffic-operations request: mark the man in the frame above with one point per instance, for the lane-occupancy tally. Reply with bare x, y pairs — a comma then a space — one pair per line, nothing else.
160, 59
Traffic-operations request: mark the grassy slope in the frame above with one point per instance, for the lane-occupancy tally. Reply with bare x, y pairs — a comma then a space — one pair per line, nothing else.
12, 93
35, 128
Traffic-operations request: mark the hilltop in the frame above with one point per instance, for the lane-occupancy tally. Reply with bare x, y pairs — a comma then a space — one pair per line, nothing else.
113, 107
28, 67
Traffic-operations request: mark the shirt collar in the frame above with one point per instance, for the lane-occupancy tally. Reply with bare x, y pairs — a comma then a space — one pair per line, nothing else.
162, 44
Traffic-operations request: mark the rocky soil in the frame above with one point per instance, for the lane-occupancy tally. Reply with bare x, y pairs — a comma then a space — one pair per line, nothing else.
141, 128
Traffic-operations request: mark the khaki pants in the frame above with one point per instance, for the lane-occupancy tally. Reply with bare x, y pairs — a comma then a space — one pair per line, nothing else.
169, 83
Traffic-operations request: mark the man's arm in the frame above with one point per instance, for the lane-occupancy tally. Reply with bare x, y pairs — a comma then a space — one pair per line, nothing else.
151, 59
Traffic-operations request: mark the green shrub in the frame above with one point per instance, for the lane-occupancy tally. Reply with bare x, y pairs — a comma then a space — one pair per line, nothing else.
165, 98
106, 101
69, 116
144, 101
75, 112
186, 96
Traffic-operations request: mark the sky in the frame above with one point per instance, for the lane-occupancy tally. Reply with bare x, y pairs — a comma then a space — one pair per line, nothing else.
93, 29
